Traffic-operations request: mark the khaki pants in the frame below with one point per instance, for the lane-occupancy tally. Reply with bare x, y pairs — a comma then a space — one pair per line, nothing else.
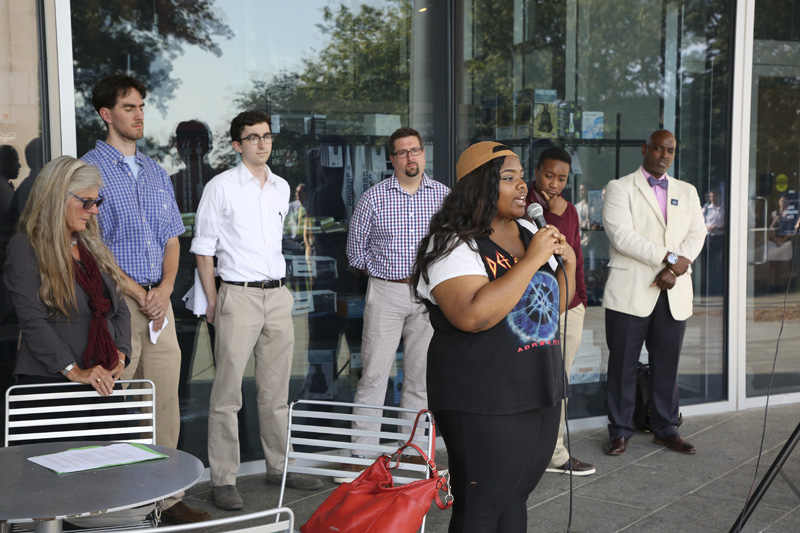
161, 364
389, 314
571, 344
250, 320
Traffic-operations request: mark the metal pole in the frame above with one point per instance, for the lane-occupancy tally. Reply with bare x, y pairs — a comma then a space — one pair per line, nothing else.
753, 501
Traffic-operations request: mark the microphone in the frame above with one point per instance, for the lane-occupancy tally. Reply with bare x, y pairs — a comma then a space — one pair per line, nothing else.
536, 213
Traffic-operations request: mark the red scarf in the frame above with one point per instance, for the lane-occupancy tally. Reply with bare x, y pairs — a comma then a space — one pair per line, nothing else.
101, 349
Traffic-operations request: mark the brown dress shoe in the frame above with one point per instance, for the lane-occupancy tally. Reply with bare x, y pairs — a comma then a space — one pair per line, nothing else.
180, 513
616, 446
676, 443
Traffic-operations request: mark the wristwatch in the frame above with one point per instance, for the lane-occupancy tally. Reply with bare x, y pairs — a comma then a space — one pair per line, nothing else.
672, 258
64, 371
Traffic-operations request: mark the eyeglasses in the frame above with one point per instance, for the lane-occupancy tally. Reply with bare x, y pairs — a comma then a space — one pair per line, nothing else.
87, 204
255, 139
402, 154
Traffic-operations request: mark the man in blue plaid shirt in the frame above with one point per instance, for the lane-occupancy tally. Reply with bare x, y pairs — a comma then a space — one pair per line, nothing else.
140, 223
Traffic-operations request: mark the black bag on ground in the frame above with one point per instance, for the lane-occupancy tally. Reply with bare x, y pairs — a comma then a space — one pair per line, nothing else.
644, 399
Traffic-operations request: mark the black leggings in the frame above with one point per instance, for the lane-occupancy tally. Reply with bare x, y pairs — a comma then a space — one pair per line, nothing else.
495, 463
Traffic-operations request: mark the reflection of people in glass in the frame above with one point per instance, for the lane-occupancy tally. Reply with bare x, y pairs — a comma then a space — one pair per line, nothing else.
295, 218
9, 170
58, 272
783, 225
325, 206
34, 160
495, 373
193, 142
596, 200
240, 221
784, 220
326, 200
582, 207
714, 213
714, 216
316, 383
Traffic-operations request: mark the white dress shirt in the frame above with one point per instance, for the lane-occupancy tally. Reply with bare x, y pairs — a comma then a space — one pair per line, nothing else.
242, 224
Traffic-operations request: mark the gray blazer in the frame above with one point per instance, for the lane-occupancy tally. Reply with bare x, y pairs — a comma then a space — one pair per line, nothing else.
50, 343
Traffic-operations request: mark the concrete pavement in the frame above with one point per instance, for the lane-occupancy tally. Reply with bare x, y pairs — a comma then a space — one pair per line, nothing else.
648, 489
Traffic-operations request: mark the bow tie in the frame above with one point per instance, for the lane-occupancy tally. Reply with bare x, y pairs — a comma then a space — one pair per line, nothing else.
658, 183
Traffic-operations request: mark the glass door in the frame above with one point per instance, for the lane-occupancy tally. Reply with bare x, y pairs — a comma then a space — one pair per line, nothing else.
774, 187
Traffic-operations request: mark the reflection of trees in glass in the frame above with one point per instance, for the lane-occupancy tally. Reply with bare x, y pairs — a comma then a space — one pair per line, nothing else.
706, 32
137, 36
777, 20
540, 29
363, 69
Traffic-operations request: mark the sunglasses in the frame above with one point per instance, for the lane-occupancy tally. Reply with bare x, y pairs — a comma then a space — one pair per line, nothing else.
87, 204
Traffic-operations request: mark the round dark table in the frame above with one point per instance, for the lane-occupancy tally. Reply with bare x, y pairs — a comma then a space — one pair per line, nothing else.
33, 493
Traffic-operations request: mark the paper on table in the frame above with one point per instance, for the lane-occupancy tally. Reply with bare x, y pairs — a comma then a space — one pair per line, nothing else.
154, 334
90, 458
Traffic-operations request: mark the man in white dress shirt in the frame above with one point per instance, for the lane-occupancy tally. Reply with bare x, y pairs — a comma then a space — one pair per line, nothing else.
240, 220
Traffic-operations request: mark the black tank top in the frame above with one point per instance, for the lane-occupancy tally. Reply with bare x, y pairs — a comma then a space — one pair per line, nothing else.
512, 367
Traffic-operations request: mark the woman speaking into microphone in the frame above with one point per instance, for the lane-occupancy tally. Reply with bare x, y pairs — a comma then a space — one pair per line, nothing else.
495, 374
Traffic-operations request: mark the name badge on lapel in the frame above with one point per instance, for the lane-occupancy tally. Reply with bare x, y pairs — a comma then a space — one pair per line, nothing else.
674, 201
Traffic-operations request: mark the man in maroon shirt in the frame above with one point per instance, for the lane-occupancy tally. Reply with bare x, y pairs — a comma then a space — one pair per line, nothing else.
551, 176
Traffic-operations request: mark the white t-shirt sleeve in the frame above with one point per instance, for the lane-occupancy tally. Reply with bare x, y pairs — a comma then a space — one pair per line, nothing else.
533, 229
462, 261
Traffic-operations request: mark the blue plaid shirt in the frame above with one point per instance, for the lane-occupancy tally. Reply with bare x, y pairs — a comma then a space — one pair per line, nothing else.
138, 215
388, 224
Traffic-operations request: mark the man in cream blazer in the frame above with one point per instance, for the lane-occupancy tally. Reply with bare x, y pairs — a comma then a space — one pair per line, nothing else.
656, 229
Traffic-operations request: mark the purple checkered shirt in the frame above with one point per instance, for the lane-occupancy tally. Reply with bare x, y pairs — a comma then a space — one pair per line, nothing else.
138, 215
388, 224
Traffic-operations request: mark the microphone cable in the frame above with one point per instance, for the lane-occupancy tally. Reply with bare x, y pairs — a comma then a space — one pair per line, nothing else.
564, 388
771, 378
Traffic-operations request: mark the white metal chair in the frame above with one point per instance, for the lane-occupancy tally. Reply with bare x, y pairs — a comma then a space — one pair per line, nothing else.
74, 411
270, 527
30, 410
313, 447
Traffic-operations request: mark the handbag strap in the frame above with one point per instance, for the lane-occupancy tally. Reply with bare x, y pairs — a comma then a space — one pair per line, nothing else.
409, 444
443, 478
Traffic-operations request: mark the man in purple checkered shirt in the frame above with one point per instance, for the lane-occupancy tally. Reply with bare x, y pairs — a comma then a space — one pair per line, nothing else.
140, 223
388, 223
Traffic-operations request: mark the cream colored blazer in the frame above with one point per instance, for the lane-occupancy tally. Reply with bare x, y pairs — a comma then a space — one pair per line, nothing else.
639, 239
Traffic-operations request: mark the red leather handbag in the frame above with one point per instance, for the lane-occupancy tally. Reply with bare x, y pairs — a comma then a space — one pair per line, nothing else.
372, 503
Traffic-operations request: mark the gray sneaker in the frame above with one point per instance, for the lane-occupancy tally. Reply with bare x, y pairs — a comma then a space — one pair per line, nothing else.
296, 481
227, 497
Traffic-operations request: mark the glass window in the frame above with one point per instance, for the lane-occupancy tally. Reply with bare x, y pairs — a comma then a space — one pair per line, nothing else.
774, 201
592, 76
21, 143
596, 78
338, 79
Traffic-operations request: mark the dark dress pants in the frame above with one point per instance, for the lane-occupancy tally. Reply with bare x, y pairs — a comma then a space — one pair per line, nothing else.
663, 337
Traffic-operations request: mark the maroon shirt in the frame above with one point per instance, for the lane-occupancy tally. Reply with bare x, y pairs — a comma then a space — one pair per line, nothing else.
567, 223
